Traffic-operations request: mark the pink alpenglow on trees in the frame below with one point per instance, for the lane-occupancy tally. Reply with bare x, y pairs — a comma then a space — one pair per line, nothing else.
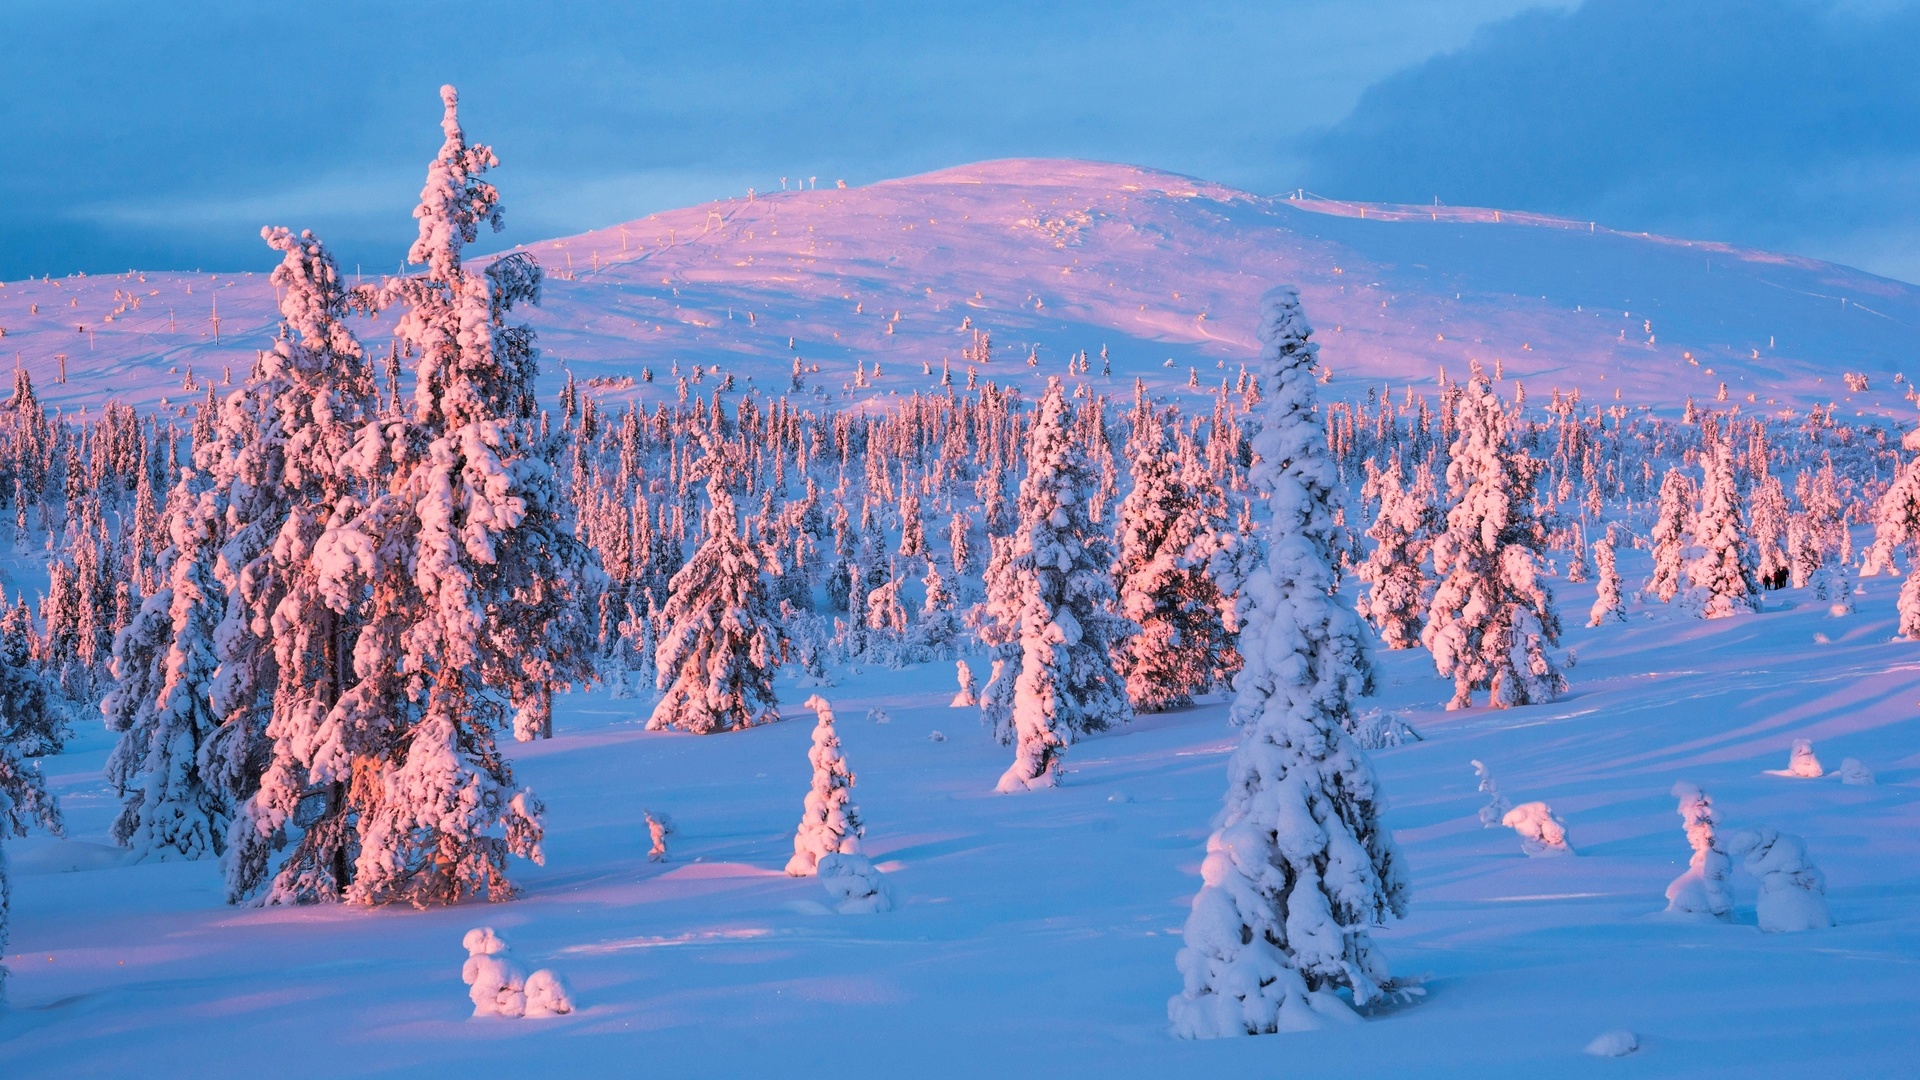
1396, 599
1491, 621
830, 824
1607, 606
1670, 534
1721, 575
723, 642
1057, 595
1896, 525
1301, 862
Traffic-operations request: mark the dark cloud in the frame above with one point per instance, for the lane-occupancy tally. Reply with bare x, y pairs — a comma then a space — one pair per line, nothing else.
1773, 123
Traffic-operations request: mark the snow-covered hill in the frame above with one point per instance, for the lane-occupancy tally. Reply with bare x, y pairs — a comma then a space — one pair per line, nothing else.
1054, 257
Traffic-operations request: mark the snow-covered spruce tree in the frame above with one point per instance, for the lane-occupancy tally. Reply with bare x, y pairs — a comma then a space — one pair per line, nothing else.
38, 723
1896, 525
1491, 621
830, 823
467, 574
1397, 595
721, 641
1058, 559
996, 621
296, 587
1721, 575
1301, 862
1606, 601
1164, 584
165, 662
1670, 534
24, 799
1768, 515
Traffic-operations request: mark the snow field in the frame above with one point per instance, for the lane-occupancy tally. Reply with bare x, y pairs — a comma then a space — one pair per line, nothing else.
1035, 934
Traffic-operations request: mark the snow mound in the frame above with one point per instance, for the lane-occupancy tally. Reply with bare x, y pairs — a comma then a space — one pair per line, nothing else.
1802, 764
1854, 773
1614, 1044
853, 885
1540, 832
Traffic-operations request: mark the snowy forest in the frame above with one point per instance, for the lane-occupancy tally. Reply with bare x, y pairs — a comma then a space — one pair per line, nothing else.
325, 611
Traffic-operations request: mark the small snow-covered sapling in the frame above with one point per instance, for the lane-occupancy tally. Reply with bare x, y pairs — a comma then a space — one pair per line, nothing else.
1802, 763
830, 822
1540, 832
1497, 804
499, 986
659, 827
1705, 888
1793, 891
969, 695
853, 885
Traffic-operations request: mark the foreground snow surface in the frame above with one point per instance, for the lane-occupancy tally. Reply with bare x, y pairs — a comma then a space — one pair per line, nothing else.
1035, 934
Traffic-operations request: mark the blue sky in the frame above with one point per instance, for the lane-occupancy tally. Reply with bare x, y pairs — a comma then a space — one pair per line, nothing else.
163, 136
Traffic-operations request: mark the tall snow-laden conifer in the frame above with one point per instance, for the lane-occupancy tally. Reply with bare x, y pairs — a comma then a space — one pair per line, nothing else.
469, 577
1396, 600
26, 723
165, 662
1670, 535
1491, 621
1606, 592
1058, 560
1301, 862
296, 590
1164, 584
1896, 525
1722, 573
721, 641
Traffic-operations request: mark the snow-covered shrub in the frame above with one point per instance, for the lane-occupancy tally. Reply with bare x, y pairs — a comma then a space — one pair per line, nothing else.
853, 885
1378, 729
499, 985
830, 822
969, 695
548, 994
1705, 888
1492, 814
1540, 832
1793, 891
659, 827
496, 980
1854, 773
